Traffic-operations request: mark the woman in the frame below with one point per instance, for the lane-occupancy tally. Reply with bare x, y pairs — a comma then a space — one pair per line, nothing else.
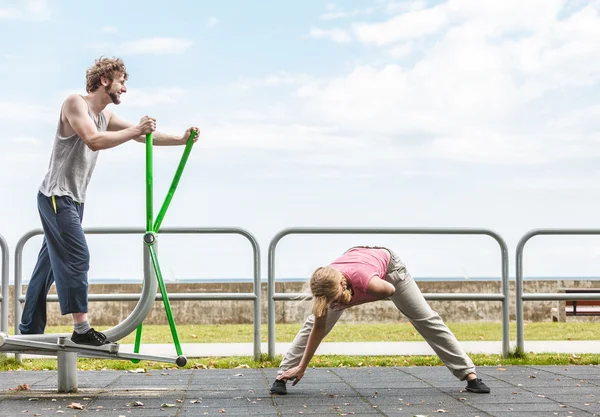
361, 275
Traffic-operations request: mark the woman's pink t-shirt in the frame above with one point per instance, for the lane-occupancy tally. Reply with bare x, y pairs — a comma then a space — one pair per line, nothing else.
359, 265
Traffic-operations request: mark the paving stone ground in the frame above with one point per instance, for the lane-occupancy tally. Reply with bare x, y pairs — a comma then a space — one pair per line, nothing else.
532, 391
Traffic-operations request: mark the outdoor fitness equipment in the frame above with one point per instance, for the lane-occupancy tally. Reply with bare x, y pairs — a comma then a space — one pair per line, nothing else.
67, 351
150, 236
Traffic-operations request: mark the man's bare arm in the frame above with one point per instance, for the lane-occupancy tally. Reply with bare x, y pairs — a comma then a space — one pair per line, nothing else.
158, 138
76, 112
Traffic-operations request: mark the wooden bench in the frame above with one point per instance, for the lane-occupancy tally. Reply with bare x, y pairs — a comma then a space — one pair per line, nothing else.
582, 307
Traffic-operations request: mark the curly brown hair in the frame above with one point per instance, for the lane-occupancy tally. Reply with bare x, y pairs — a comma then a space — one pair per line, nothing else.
108, 67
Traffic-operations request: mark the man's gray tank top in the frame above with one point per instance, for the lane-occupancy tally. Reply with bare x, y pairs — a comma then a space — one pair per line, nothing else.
71, 164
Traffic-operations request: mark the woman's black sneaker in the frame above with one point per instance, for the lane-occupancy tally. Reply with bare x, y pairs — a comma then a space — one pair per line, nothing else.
279, 387
91, 338
477, 386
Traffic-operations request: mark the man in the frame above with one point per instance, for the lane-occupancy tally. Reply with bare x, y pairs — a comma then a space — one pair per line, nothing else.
85, 127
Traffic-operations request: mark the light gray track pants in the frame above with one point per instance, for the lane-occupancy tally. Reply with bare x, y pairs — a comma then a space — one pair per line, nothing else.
409, 300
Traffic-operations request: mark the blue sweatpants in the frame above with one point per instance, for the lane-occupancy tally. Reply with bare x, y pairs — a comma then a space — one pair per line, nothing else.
64, 259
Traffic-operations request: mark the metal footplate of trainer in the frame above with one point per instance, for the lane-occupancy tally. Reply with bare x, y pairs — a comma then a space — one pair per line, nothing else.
64, 344
108, 348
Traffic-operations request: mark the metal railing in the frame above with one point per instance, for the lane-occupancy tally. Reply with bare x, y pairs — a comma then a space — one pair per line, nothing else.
5, 284
521, 296
125, 330
272, 296
503, 296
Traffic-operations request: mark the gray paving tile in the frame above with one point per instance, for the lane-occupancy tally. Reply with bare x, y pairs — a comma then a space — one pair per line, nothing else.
573, 399
517, 390
549, 407
541, 414
431, 411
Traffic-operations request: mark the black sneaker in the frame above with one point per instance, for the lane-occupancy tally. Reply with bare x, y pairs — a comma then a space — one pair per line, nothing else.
102, 335
91, 338
279, 387
477, 386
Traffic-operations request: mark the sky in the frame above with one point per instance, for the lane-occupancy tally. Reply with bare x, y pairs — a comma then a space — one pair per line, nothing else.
363, 113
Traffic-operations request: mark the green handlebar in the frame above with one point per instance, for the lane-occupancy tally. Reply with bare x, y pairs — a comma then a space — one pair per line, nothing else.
169, 197
149, 183
153, 227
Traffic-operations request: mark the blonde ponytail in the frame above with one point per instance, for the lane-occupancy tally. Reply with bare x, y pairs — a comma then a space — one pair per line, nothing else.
319, 306
324, 286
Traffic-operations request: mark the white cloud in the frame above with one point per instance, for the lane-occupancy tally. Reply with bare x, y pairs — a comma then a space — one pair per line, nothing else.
401, 50
212, 22
138, 97
26, 140
110, 29
473, 93
589, 181
415, 20
334, 12
332, 15
245, 114
272, 80
413, 24
147, 46
27, 10
9, 13
490, 147
313, 145
578, 120
26, 112
262, 135
336, 35
368, 97
157, 46
395, 7
98, 46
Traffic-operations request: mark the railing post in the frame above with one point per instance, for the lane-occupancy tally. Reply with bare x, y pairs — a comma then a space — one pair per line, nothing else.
5, 285
506, 296
521, 296
520, 332
4, 276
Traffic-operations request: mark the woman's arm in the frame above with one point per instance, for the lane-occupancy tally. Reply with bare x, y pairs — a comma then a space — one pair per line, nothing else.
314, 340
380, 288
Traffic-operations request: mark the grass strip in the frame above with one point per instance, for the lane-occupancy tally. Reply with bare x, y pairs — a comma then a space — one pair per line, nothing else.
344, 332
